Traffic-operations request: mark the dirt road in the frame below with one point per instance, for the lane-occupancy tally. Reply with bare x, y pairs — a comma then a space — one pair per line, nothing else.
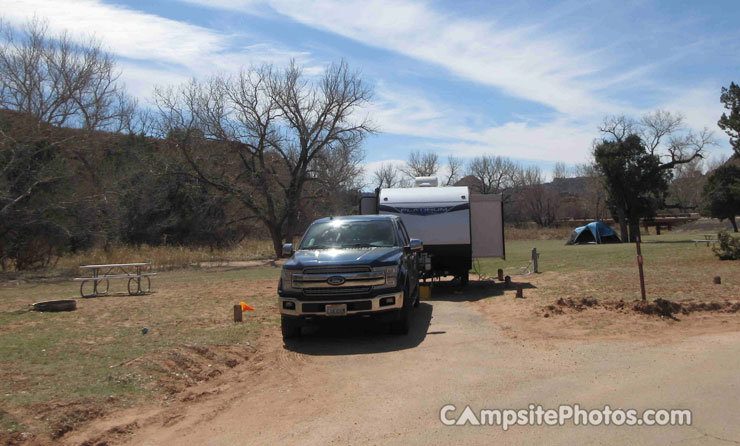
374, 389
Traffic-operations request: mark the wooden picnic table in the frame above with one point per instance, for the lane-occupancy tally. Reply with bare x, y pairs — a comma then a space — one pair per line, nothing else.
709, 236
708, 241
136, 273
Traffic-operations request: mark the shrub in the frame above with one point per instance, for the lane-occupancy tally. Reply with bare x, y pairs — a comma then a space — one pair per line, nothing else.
728, 247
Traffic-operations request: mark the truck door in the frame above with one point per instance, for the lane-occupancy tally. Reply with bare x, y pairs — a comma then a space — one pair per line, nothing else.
410, 258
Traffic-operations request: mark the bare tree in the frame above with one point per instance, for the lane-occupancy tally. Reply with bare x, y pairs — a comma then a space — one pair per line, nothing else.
617, 127
561, 170
455, 167
337, 168
540, 203
59, 81
593, 195
664, 135
47, 82
387, 176
493, 174
421, 164
257, 137
684, 192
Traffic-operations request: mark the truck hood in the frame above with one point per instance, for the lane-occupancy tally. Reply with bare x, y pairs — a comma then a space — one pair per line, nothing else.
355, 256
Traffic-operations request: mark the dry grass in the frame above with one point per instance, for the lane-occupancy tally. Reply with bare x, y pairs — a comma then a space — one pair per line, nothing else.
51, 359
512, 233
675, 270
61, 366
164, 258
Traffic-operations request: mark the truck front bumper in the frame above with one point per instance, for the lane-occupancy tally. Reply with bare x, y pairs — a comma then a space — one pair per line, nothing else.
291, 306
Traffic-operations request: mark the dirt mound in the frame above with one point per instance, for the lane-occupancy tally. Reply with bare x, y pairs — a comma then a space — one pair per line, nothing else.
14, 438
657, 307
64, 417
667, 308
176, 370
660, 307
706, 224
111, 435
173, 371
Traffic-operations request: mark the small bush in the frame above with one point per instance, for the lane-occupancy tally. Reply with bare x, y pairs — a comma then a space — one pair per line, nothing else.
728, 247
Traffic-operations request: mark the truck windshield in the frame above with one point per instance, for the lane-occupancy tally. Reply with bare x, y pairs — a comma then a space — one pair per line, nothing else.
339, 234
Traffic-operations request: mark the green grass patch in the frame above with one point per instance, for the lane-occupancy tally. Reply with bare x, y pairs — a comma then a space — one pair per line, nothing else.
50, 358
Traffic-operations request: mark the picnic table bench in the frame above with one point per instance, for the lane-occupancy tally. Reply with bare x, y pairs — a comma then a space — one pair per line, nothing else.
708, 241
138, 274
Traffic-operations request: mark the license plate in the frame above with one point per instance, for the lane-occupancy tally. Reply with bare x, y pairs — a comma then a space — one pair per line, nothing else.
336, 309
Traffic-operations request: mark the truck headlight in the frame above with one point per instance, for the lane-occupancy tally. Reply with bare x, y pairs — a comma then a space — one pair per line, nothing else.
286, 277
391, 276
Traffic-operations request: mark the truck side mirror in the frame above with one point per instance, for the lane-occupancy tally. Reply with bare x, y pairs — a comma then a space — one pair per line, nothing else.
287, 250
415, 244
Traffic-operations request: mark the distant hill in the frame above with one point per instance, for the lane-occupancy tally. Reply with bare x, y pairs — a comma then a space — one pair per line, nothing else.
569, 186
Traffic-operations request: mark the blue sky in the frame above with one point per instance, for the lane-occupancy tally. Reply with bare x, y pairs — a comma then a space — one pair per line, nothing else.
529, 80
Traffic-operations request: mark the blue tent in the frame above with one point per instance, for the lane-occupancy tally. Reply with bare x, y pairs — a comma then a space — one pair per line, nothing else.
596, 232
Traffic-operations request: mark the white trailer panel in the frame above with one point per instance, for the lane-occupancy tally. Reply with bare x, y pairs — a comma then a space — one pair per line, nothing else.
436, 215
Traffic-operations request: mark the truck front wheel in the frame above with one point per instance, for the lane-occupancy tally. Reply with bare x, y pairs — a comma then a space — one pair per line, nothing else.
402, 325
289, 328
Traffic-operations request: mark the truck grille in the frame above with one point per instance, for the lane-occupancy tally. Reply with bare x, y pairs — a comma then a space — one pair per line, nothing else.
361, 305
337, 291
336, 269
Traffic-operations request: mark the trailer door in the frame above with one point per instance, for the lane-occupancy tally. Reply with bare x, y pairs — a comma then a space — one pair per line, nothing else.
487, 226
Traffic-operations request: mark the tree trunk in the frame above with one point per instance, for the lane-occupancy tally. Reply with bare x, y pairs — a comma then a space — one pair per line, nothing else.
634, 225
277, 241
734, 223
622, 224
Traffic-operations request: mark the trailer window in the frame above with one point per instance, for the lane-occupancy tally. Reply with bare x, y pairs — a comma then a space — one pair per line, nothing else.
339, 234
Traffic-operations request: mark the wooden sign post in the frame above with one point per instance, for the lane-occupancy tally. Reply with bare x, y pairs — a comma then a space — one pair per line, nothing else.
639, 266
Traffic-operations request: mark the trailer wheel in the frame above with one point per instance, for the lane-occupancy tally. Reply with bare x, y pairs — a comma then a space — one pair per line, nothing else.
464, 279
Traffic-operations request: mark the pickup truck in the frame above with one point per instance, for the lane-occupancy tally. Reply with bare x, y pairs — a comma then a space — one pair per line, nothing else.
357, 266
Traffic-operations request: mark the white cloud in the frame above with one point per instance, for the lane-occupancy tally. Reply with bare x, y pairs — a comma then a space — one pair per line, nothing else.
523, 61
409, 112
157, 50
140, 80
126, 32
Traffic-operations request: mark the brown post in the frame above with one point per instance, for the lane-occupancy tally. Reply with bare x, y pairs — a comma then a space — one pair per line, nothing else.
237, 313
717, 280
639, 266
500, 275
519, 290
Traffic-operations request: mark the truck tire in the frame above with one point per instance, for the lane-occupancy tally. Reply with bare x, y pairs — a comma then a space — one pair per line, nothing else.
417, 299
402, 325
289, 328
464, 279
